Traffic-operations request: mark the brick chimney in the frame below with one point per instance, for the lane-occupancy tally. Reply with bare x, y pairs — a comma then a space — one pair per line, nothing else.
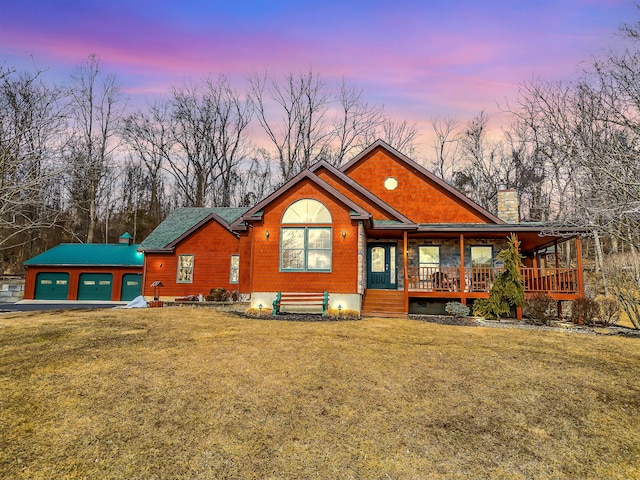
508, 204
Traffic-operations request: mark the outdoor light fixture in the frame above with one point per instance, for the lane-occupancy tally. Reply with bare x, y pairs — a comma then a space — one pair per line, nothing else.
339, 310
260, 308
344, 234
266, 234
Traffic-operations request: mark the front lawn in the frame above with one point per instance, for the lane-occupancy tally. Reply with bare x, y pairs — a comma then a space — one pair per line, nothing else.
189, 393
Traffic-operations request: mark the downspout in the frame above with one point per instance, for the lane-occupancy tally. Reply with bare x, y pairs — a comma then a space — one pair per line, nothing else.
463, 295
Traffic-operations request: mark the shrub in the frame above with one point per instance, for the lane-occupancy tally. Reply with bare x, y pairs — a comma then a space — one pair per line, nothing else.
217, 295
343, 314
584, 310
508, 289
257, 313
540, 309
457, 310
622, 272
609, 311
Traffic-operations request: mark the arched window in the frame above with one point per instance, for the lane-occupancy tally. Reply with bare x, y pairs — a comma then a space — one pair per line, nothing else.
306, 210
306, 248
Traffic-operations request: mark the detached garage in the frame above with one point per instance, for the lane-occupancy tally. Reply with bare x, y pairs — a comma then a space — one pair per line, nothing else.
86, 271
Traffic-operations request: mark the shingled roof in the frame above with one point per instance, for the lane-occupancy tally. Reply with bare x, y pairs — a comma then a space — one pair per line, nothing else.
182, 221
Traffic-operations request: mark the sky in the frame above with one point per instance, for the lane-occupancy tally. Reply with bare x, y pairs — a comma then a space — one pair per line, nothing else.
420, 59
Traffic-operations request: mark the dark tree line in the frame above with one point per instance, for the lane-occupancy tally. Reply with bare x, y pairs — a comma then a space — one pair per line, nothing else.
78, 164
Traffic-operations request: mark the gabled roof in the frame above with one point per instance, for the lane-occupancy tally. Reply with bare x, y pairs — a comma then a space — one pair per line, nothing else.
357, 212
423, 171
363, 191
183, 221
89, 254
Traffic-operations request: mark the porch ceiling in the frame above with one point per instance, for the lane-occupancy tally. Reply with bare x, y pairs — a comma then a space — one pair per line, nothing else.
533, 236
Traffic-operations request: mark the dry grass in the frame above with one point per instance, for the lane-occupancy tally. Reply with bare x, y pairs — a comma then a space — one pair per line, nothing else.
189, 393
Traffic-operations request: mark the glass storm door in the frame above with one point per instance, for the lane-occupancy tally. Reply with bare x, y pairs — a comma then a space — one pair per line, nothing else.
381, 266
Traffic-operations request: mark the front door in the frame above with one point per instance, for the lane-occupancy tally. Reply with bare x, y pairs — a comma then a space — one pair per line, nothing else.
382, 272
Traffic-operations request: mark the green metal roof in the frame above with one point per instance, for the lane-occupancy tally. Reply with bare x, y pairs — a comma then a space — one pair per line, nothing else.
90, 254
181, 220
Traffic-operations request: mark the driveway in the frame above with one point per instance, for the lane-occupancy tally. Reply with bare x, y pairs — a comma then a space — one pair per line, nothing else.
35, 305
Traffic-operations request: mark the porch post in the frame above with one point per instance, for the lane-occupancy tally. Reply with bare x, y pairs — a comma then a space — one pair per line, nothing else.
463, 295
518, 309
405, 256
557, 275
579, 257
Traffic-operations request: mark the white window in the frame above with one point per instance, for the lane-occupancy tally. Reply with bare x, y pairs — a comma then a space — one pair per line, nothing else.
306, 248
185, 269
234, 269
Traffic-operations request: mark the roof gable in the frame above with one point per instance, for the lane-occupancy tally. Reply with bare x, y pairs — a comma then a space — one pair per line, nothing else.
355, 187
420, 195
357, 212
183, 221
89, 254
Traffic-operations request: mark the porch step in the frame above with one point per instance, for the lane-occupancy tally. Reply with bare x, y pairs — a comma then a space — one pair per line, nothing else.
383, 303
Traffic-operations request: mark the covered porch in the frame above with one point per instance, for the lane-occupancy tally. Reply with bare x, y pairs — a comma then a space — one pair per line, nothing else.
459, 263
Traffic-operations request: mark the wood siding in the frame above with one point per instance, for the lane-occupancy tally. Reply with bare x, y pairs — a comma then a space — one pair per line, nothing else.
266, 274
74, 278
416, 197
212, 246
377, 212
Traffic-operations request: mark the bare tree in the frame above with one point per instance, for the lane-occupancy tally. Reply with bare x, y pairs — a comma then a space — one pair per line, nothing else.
355, 124
97, 106
446, 147
622, 272
210, 134
400, 135
298, 129
255, 179
32, 130
150, 136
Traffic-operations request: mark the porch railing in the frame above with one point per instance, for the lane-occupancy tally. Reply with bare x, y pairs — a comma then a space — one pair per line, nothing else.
554, 280
481, 279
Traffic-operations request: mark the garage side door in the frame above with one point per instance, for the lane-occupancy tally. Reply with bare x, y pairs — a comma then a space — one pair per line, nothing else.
95, 286
131, 286
52, 286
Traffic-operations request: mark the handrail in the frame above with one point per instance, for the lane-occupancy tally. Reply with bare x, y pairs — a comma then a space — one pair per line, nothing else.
481, 279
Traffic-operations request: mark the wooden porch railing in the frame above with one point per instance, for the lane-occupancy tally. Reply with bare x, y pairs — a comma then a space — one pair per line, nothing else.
480, 279
554, 280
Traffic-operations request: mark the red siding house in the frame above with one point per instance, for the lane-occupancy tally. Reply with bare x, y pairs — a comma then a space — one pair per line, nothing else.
192, 251
381, 234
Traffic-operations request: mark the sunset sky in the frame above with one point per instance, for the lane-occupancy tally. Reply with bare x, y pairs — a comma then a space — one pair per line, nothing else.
421, 59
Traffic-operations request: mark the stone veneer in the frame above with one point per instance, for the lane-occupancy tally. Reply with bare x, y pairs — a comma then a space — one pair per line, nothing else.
508, 206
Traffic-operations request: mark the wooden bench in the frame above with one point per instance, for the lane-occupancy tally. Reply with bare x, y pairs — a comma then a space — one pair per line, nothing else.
301, 300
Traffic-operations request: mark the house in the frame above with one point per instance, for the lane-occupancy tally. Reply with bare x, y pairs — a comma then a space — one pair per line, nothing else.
86, 271
381, 234
192, 251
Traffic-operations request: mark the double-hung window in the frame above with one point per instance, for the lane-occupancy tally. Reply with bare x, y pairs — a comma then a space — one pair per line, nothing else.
234, 269
185, 269
429, 261
306, 244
